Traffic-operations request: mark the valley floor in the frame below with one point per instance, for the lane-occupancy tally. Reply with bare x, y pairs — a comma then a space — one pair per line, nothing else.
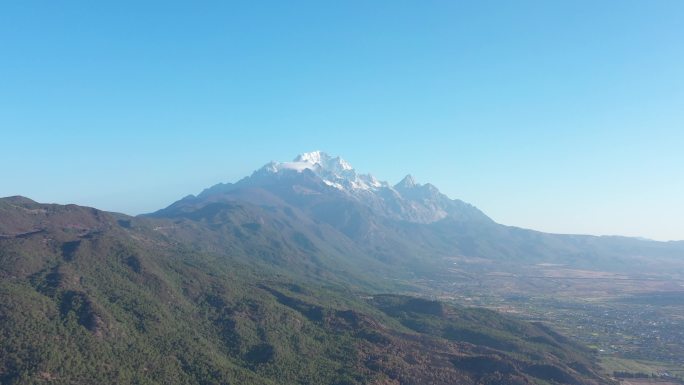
640, 381
636, 323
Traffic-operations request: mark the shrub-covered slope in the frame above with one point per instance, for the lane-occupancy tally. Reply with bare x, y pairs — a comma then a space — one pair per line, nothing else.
93, 297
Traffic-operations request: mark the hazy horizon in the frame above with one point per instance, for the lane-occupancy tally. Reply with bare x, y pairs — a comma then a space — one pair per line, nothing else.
391, 183
564, 118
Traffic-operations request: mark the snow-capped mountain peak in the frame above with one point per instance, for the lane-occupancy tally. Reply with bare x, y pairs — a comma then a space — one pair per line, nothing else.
312, 157
334, 171
323, 160
315, 161
319, 177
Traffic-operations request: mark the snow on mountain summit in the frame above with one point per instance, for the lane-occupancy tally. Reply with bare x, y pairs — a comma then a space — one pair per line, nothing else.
407, 200
316, 160
321, 177
334, 171
323, 160
312, 157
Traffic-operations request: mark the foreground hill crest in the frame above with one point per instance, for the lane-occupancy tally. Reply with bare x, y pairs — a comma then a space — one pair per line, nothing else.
241, 295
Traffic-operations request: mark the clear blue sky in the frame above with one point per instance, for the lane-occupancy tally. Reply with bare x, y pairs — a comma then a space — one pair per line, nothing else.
563, 116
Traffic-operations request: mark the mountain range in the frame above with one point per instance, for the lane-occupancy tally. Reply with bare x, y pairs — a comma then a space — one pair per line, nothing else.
296, 274
409, 224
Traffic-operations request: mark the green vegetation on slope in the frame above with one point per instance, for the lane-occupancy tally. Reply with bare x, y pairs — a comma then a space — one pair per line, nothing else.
90, 297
